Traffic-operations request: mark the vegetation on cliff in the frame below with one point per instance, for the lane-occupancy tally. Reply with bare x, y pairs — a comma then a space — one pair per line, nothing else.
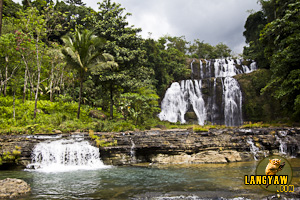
273, 37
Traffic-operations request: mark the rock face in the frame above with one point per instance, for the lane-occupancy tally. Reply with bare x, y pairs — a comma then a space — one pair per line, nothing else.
11, 188
214, 146
175, 146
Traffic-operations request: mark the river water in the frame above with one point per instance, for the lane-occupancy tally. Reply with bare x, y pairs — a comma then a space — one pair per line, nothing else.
205, 181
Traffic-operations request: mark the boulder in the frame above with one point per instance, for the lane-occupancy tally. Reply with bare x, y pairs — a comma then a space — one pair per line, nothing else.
12, 188
97, 114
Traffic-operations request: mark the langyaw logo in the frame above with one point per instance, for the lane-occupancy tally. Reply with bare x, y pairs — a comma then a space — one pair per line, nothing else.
266, 180
273, 174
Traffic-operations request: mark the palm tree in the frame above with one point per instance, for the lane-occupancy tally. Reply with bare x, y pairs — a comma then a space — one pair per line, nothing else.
81, 53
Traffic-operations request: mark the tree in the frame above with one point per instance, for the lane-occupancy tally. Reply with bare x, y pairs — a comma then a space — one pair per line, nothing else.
178, 43
140, 105
199, 49
57, 66
124, 44
222, 50
281, 39
9, 54
81, 53
1, 14
253, 26
10, 8
168, 63
34, 25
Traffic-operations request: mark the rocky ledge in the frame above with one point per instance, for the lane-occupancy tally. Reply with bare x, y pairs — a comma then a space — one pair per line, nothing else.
12, 188
186, 146
173, 146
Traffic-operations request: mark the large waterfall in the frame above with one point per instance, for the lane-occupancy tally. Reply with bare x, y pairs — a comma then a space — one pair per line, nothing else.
212, 93
65, 155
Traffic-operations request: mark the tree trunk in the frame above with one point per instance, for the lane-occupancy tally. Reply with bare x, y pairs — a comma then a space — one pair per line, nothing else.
51, 82
79, 100
14, 104
1, 82
38, 80
111, 102
25, 79
1, 13
5, 82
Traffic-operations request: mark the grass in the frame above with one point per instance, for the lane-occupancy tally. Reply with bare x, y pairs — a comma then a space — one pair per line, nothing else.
102, 142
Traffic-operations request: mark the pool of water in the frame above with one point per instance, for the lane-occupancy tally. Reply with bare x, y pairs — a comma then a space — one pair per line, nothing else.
205, 181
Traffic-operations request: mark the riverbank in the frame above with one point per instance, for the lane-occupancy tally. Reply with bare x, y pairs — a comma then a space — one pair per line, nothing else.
176, 146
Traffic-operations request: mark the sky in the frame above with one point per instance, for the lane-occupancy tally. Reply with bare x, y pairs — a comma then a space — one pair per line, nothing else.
211, 21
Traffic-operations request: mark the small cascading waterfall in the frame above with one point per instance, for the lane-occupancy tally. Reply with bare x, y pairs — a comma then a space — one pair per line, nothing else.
189, 96
253, 149
65, 155
132, 151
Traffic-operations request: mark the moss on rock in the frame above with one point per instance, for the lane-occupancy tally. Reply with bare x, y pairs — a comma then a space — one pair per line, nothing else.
258, 106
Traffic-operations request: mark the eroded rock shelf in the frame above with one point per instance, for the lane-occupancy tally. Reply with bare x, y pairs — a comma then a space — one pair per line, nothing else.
175, 146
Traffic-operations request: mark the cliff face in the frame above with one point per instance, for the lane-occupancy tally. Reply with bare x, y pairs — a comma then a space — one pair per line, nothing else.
176, 146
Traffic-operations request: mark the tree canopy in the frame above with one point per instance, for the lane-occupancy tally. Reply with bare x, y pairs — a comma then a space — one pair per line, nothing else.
273, 36
58, 56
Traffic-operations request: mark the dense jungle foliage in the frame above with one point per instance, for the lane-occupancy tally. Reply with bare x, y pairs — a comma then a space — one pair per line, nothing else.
273, 35
65, 66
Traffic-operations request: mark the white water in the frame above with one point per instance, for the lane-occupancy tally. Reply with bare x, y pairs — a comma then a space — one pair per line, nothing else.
233, 102
254, 149
174, 104
65, 155
132, 151
179, 98
197, 100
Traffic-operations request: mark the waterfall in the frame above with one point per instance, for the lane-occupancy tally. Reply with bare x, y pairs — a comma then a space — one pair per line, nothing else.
201, 70
233, 102
192, 69
174, 105
132, 151
282, 145
179, 98
65, 155
254, 149
207, 99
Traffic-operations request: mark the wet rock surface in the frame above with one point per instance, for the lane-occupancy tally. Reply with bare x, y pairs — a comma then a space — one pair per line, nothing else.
12, 188
175, 146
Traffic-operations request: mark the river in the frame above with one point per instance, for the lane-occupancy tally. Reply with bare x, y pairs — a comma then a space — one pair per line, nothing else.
201, 181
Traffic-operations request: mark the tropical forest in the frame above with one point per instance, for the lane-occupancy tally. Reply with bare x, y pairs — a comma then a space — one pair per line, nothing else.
65, 67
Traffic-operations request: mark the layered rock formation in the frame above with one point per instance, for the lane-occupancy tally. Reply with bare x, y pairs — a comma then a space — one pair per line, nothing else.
214, 146
176, 146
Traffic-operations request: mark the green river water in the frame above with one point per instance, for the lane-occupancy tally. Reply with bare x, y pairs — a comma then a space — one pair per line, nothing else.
205, 181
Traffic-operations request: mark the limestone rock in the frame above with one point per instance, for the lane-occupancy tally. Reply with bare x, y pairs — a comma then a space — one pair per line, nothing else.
97, 114
57, 132
202, 157
11, 188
